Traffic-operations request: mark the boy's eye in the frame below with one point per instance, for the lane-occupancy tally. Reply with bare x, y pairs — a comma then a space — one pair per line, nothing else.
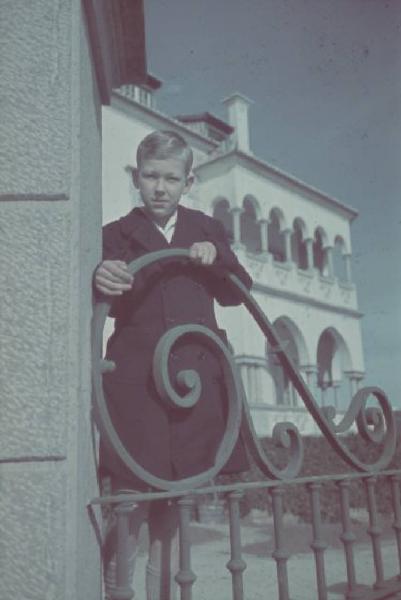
172, 179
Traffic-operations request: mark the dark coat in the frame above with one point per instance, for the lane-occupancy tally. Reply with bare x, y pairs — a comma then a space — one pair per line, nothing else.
170, 443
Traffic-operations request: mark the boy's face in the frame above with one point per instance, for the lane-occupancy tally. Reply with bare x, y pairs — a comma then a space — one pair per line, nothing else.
161, 183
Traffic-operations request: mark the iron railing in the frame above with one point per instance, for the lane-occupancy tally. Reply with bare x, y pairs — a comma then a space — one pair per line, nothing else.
375, 424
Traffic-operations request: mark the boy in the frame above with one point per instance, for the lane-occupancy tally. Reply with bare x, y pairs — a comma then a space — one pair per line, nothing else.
169, 443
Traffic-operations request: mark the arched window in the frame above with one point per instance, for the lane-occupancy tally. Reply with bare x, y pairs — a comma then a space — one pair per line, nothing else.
250, 230
294, 344
326, 352
276, 239
298, 246
333, 358
221, 211
319, 260
339, 266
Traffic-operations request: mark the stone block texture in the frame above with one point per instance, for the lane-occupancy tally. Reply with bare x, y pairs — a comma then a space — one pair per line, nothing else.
50, 215
36, 115
35, 328
32, 531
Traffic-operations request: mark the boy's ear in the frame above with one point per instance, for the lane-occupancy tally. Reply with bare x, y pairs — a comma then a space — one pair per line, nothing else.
135, 176
188, 184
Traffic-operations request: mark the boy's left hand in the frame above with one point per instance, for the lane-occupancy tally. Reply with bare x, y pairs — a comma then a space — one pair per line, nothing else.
203, 253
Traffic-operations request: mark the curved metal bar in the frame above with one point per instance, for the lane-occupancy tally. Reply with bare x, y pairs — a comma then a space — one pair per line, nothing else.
190, 379
285, 434
324, 418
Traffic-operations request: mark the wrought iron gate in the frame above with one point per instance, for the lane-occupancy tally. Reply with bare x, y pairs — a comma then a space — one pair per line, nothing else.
375, 424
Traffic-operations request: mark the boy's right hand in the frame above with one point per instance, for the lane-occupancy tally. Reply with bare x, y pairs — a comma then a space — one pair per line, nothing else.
112, 278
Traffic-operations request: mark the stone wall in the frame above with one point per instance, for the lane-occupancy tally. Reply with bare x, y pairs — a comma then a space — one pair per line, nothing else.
50, 216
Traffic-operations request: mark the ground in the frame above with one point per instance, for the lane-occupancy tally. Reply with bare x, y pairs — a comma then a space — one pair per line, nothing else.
211, 551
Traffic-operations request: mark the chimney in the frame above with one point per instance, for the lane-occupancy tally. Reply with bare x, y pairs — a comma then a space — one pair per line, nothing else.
237, 107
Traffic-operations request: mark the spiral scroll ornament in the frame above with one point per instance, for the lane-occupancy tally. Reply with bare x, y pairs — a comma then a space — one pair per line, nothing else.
375, 424
188, 382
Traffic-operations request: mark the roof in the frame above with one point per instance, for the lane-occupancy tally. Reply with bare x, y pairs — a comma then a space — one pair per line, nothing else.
257, 165
117, 38
206, 117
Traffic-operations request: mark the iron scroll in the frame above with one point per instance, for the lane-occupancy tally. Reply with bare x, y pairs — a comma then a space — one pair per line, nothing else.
375, 425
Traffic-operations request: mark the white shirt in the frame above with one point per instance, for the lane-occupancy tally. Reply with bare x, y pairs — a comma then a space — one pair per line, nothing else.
168, 230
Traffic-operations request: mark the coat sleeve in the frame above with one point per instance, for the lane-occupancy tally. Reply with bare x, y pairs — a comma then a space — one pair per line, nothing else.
113, 248
226, 262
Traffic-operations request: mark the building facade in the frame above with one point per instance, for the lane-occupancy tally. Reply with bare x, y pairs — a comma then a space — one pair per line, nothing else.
293, 239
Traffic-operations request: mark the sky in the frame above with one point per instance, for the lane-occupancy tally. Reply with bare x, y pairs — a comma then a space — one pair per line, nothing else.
325, 78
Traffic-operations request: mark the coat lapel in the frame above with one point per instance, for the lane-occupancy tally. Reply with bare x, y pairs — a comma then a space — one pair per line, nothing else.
137, 227
187, 230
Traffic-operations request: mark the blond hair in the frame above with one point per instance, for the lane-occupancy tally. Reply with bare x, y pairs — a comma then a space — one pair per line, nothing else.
162, 145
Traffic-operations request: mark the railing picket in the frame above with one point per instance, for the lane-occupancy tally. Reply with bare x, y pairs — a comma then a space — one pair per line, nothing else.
279, 554
318, 545
185, 576
395, 494
123, 590
374, 530
236, 565
348, 539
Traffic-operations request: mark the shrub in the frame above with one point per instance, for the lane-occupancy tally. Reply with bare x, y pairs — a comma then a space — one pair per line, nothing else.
319, 460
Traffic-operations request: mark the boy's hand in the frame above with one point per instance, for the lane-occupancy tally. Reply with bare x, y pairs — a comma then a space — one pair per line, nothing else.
112, 278
203, 252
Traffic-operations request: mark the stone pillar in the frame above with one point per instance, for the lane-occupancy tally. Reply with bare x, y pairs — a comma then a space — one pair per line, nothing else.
251, 384
310, 372
287, 241
328, 251
353, 385
335, 386
354, 378
293, 394
323, 393
264, 235
258, 384
309, 252
50, 206
348, 270
255, 369
236, 213
244, 375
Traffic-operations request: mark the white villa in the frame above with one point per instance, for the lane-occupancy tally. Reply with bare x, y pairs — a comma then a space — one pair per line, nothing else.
294, 240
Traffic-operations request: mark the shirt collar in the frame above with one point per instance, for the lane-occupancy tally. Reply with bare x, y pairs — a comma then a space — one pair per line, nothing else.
171, 223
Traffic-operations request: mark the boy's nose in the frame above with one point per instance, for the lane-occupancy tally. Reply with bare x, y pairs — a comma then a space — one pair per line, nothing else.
160, 185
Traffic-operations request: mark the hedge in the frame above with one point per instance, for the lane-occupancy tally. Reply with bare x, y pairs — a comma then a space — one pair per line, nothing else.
319, 459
